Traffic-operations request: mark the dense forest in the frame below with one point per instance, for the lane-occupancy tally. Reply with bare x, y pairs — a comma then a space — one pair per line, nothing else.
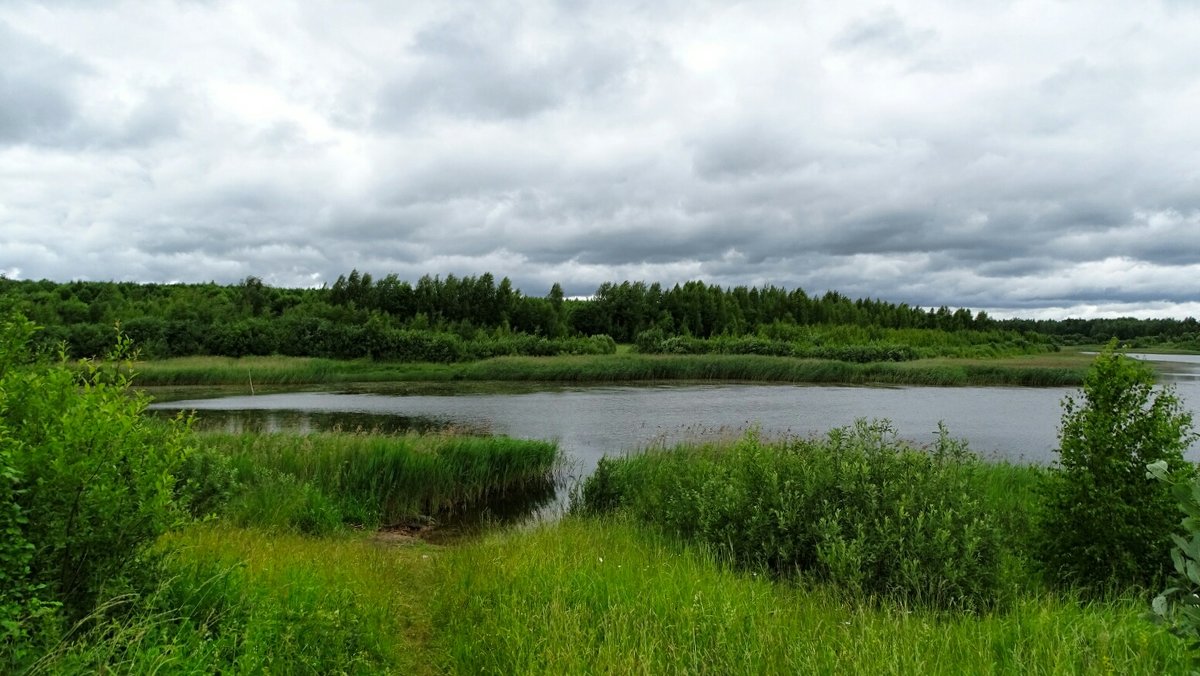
454, 318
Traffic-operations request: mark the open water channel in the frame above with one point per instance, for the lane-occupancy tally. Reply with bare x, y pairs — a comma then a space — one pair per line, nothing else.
1012, 423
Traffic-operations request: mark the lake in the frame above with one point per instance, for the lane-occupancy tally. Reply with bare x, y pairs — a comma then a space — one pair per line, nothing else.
1010, 423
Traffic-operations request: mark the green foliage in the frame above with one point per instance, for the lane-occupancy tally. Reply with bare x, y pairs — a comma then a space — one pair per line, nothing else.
90, 477
18, 594
1178, 606
1105, 523
855, 344
456, 318
204, 482
860, 509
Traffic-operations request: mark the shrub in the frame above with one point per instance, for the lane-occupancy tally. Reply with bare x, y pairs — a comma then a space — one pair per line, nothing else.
1178, 606
90, 475
1105, 524
860, 509
649, 341
205, 481
17, 592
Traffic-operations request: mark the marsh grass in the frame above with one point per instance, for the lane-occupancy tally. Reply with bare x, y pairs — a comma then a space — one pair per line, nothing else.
316, 483
294, 371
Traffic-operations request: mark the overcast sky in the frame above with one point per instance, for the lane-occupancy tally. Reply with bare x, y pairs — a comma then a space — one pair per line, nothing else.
1027, 158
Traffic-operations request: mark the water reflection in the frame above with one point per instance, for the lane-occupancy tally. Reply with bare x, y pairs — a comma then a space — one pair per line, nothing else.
1173, 367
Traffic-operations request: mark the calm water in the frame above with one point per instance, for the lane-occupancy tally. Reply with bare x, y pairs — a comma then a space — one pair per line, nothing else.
1019, 424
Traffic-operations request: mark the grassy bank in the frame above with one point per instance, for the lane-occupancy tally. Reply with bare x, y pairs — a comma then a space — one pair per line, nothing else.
579, 596
1040, 370
615, 593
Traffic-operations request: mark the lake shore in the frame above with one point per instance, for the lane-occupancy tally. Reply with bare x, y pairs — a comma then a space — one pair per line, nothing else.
1043, 370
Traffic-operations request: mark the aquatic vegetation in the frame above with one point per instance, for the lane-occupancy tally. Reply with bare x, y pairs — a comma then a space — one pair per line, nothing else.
317, 483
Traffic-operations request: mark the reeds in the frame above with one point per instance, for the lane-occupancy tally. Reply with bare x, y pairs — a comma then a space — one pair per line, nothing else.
317, 482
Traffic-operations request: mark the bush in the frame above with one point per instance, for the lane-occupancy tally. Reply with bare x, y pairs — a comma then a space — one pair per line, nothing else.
859, 509
205, 481
1105, 524
89, 475
649, 341
1179, 605
17, 592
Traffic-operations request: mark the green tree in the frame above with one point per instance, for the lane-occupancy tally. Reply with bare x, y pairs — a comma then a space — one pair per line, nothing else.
1106, 524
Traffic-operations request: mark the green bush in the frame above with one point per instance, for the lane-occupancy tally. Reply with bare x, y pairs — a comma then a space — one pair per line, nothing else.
204, 482
872, 515
1178, 606
18, 595
89, 475
1105, 524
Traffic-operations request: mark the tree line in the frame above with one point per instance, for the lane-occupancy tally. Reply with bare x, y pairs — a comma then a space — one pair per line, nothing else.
361, 316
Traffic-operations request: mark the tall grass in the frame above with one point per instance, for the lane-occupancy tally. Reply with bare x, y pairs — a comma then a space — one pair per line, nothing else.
317, 482
232, 600
266, 371
601, 596
582, 595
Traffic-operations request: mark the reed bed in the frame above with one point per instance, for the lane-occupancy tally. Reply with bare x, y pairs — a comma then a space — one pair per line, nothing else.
317, 482
252, 372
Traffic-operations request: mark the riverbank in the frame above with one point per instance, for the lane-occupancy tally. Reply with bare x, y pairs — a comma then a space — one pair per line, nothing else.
1045, 370
321, 590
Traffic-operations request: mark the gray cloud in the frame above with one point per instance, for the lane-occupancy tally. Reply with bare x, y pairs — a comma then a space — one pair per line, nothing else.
475, 67
36, 82
933, 155
885, 32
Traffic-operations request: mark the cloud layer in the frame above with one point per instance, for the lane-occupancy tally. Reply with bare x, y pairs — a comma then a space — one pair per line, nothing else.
1028, 158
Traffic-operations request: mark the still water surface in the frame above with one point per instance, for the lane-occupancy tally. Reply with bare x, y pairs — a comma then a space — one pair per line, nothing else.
1012, 423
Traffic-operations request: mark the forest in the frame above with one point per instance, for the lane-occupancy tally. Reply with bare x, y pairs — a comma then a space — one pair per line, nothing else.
452, 318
